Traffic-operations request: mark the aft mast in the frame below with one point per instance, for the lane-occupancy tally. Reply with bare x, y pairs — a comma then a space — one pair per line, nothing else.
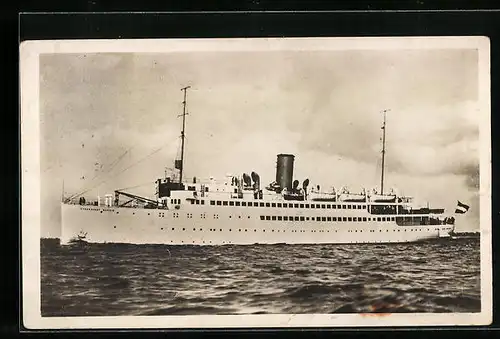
183, 136
383, 153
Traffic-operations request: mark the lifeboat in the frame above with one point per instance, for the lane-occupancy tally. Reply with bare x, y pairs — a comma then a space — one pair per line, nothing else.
377, 197
347, 196
297, 195
324, 196
383, 198
351, 197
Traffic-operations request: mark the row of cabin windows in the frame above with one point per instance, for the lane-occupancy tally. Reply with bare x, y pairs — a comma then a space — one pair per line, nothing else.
175, 201
281, 205
301, 218
312, 231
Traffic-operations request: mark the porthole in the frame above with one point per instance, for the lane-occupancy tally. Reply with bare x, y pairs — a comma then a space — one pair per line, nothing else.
114, 226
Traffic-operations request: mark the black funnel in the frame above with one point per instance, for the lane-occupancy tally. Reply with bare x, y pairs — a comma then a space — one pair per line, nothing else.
284, 170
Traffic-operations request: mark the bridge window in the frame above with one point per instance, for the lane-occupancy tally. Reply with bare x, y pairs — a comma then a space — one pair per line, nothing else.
231, 203
354, 219
344, 207
364, 218
261, 204
262, 217
285, 218
273, 204
323, 206
268, 217
328, 206
243, 203
273, 217
219, 203
224, 203
255, 204
268, 204
237, 203
344, 219
302, 218
290, 218
379, 219
280, 218
212, 202
279, 205
348, 207
334, 219
318, 218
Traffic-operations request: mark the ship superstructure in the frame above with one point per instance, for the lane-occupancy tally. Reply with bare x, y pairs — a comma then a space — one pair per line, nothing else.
239, 210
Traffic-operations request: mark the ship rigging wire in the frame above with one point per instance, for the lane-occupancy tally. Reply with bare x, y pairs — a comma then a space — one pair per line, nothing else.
121, 172
113, 165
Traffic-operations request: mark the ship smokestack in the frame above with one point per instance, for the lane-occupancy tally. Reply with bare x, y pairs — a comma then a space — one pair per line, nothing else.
284, 171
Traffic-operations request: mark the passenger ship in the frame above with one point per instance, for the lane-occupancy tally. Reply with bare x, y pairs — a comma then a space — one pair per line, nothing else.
240, 211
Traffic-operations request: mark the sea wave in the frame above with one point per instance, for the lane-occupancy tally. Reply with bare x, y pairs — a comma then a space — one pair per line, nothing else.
121, 279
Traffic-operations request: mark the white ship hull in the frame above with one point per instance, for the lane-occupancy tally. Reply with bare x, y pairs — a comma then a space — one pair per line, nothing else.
217, 225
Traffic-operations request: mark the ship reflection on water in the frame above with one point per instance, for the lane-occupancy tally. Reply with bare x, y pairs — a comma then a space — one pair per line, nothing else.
115, 279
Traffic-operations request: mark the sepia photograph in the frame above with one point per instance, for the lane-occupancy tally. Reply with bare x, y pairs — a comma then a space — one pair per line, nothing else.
256, 182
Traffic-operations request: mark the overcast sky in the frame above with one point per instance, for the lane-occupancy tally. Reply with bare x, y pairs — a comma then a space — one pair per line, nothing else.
246, 107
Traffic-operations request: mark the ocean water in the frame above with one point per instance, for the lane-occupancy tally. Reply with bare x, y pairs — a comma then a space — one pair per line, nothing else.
108, 280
